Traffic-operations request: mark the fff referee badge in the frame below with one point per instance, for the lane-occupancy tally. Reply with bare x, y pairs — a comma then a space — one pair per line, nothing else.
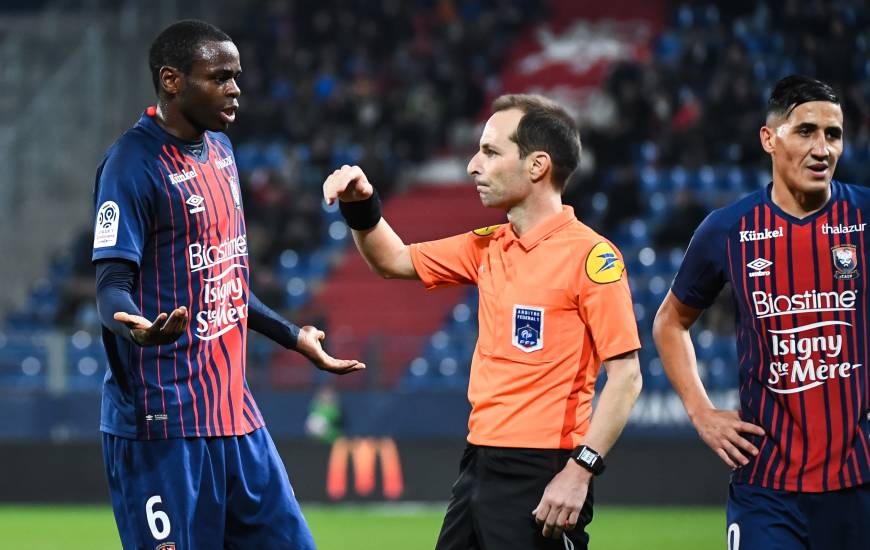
528, 328
234, 189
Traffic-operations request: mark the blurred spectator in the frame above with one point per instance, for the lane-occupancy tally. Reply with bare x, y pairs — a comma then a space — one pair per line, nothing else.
77, 289
324, 416
700, 102
375, 83
686, 214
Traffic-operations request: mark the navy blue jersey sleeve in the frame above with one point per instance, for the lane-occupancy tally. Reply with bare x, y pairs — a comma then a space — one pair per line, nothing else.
114, 285
265, 321
702, 274
124, 203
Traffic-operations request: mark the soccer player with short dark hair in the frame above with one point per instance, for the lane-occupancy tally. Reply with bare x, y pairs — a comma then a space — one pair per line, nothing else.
795, 256
554, 306
189, 461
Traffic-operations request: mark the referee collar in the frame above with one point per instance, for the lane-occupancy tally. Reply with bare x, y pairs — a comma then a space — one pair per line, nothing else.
541, 231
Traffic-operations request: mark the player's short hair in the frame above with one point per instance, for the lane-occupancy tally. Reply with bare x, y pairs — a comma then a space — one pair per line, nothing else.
795, 90
545, 126
177, 46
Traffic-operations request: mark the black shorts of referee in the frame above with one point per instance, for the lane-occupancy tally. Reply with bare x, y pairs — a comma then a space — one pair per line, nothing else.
493, 498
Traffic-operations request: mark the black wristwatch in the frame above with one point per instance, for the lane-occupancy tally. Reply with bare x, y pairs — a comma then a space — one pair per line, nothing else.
589, 459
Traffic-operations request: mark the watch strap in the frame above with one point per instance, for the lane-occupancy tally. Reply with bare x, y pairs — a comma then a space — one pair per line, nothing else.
588, 458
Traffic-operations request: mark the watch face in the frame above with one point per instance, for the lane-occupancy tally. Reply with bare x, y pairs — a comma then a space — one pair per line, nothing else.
587, 456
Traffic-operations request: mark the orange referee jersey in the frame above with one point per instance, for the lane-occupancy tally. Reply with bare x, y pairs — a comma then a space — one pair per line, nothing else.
553, 305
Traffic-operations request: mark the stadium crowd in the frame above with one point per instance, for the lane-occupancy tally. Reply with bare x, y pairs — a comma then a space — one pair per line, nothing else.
384, 84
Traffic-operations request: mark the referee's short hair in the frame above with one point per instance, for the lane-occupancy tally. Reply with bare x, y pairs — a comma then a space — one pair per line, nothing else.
177, 46
795, 90
545, 126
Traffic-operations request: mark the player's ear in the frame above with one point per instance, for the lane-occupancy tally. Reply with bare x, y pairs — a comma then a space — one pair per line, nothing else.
768, 138
539, 165
767, 134
171, 80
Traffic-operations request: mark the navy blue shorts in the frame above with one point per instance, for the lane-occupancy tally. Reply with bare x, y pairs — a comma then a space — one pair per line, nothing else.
197, 493
767, 519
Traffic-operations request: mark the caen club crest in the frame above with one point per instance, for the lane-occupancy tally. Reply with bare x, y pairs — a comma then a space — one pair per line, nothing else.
845, 261
528, 328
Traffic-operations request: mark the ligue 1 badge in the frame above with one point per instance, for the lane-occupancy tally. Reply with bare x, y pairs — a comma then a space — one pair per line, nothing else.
845, 261
528, 328
166, 546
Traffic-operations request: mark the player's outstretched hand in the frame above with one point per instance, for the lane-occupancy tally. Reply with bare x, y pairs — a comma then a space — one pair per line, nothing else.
165, 329
309, 345
560, 506
721, 431
348, 184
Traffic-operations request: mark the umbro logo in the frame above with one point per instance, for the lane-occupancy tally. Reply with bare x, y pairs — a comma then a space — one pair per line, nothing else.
195, 203
759, 267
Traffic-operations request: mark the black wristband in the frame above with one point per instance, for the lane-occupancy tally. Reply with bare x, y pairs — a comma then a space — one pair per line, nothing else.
362, 215
588, 458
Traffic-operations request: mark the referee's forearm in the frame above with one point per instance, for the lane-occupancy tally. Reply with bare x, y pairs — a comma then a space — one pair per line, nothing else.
385, 252
615, 403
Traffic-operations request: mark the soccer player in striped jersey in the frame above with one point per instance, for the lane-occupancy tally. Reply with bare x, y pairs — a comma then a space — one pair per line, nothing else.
189, 461
795, 256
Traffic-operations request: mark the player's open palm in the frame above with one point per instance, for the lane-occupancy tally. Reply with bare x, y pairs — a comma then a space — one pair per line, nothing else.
721, 431
563, 499
310, 345
165, 329
348, 184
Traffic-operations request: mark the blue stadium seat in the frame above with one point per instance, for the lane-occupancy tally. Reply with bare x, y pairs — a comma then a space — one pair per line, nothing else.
23, 361
86, 361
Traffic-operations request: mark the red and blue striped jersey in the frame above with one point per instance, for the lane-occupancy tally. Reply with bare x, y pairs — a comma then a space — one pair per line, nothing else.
800, 287
177, 214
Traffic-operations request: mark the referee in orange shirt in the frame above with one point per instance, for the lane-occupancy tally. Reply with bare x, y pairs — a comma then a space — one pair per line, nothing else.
554, 305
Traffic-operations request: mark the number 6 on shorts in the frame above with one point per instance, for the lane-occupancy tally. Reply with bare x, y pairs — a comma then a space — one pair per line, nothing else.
158, 521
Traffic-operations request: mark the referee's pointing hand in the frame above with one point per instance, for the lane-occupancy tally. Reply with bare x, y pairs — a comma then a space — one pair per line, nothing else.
348, 184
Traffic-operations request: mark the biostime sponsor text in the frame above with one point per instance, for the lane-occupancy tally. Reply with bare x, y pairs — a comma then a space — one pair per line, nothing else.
769, 305
223, 293
201, 256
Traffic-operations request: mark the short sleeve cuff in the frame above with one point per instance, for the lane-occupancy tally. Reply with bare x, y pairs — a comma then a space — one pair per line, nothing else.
615, 349
686, 298
115, 254
419, 267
